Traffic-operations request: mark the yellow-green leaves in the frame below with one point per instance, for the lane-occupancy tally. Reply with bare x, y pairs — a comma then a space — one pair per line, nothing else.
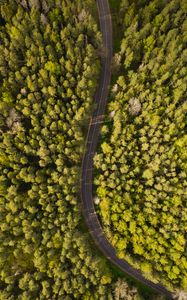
147, 174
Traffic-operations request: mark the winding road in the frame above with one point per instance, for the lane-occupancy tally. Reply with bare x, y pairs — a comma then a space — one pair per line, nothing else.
88, 209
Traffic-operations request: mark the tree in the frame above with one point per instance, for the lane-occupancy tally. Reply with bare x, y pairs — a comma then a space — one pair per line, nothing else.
123, 291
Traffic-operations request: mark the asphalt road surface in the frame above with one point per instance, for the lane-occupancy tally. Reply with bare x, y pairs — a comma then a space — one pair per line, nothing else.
91, 143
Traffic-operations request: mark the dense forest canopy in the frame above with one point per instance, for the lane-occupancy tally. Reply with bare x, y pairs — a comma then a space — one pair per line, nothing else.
141, 166
50, 54
49, 67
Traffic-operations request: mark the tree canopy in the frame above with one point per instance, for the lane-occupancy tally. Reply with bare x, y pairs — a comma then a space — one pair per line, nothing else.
142, 162
49, 67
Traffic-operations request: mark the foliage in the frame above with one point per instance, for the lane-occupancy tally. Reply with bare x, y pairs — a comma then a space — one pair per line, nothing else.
142, 163
180, 295
123, 291
49, 69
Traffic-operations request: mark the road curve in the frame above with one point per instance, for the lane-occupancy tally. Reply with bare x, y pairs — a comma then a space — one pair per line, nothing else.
88, 209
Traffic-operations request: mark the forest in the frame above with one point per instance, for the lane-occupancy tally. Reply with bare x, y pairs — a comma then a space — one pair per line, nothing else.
49, 67
50, 53
141, 163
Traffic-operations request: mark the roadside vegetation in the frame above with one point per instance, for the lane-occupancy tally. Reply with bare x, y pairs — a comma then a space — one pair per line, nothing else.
141, 165
49, 69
